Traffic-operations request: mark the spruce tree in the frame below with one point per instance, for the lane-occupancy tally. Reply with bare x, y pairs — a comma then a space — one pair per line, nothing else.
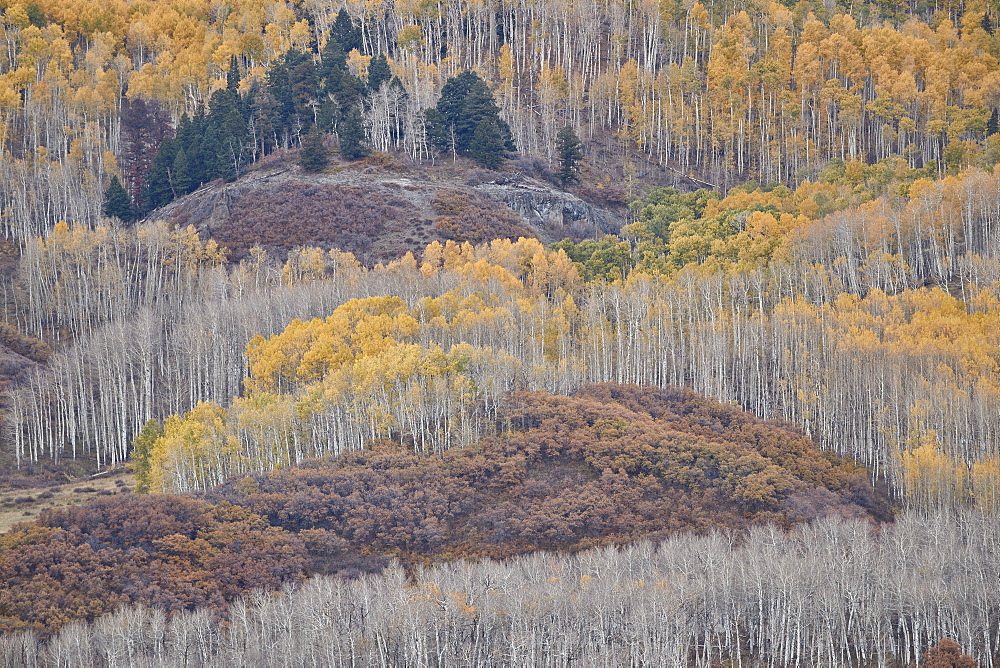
210, 151
378, 73
233, 75
993, 125
158, 190
345, 32
487, 145
332, 67
314, 155
570, 152
180, 174
351, 131
466, 101
117, 203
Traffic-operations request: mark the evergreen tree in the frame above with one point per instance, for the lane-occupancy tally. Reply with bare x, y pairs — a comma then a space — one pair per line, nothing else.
36, 16
351, 93
233, 75
437, 129
328, 114
117, 203
477, 106
303, 84
210, 151
265, 110
233, 139
314, 155
378, 73
466, 101
186, 134
487, 145
993, 125
279, 90
180, 174
351, 131
570, 152
332, 67
345, 32
158, 189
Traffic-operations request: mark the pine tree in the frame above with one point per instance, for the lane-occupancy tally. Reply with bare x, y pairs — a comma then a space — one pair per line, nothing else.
436, 127
332, 67
233, 75
487, 145
570, 153
466, 101
158, 190
210, 150
993, 125
378, 73
351, 131
314, 155
180, 174
117, 203
345, 32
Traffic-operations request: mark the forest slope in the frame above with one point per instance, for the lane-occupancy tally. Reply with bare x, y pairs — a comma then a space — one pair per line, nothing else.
610, 465
830, 594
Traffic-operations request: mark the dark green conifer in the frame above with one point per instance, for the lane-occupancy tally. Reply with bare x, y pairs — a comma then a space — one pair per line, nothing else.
180, 174
210, 151
332, 67
158, 189
570, 152
437, 129
233, 75
345, 31
117, 203
487, 145
378, 72
465, 102
351, 131
314, 155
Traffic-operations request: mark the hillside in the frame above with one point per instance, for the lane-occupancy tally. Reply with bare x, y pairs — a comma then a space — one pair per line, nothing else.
380, 209
608, 466
540, 333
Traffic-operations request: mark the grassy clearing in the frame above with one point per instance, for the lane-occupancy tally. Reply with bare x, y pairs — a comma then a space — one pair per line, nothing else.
24, 505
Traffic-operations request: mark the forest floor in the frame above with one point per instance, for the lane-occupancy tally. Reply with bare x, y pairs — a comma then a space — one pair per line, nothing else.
26, 504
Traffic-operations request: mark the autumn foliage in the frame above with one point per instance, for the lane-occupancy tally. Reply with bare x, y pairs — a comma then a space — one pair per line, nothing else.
476, 219
301, 214
610, 464
162, 551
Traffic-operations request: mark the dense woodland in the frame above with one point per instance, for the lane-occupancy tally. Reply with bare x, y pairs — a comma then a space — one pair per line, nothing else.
352, 433
608, 466
722, 91
755, 298
832, 593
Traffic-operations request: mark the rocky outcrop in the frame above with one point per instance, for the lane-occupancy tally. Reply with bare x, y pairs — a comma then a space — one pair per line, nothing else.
393, 210
556, 213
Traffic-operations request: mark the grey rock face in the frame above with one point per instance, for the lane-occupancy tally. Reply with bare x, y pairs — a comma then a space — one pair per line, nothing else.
555, 213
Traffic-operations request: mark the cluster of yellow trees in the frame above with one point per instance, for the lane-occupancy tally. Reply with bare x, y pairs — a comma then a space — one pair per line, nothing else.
906, 383
758, 298
767, 92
